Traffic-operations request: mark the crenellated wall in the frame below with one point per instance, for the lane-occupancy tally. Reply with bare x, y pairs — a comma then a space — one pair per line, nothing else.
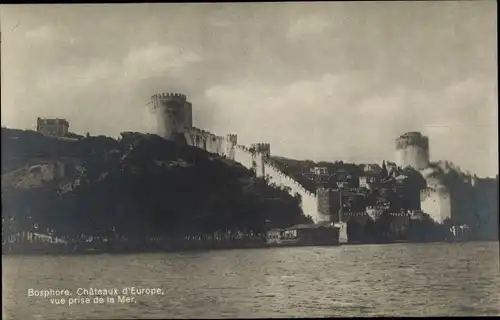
360, 217
399, 221
264, 148
175, 120
374, 212
205, 140
309, 199
230, 145
436, 202
173, 114
52, 127
175, 117
259, 162
243, 156
412, 149
328, 204
255, 160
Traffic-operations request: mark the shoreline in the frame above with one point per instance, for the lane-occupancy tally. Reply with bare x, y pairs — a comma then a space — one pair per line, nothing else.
67, 251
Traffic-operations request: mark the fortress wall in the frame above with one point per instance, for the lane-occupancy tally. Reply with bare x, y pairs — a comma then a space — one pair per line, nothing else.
188, 112
172, 114
216, 144
229, 146
436, 202
256, 161
327, 206
189, 138
412, 149
309, 200
399, 222
329, 203
211, 143
414, 156
221, 146
250, 160
205, 140
374, 212
360, 217
243, 156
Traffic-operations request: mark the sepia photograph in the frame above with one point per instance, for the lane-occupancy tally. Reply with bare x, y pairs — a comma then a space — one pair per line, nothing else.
249, 160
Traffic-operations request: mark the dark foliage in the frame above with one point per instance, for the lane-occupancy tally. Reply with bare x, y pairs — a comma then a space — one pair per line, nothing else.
143, 184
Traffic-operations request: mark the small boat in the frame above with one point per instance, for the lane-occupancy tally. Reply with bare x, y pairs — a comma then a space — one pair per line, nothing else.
303, 235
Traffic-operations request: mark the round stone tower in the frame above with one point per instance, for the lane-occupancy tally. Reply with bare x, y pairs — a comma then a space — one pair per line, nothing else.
412, 149
173, 115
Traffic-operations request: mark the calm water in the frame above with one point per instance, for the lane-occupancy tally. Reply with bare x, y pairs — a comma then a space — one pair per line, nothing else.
397, 279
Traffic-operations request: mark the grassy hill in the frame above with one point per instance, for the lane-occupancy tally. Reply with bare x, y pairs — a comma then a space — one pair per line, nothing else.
139, 184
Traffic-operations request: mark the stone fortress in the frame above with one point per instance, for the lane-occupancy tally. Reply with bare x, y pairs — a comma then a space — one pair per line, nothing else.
412, 149
174, 120
52, 127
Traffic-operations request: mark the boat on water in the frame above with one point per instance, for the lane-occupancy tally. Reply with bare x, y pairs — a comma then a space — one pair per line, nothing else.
304, 235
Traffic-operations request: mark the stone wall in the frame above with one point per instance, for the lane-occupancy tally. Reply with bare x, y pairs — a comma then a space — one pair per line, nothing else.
175, 117
328, 203
253, 160
309, 199
52, 127
436, 202
412, 149
205, 140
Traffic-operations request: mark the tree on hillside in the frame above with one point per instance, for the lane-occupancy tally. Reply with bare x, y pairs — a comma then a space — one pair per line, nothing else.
144, 184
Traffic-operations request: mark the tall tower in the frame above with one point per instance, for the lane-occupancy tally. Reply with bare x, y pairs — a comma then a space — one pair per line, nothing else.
328, 204
264, 148
261, 152
231, 142
435, 200
173, 115
412, 149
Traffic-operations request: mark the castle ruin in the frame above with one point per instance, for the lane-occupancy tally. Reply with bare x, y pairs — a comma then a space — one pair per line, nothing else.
52, 127
174, 120
412, 149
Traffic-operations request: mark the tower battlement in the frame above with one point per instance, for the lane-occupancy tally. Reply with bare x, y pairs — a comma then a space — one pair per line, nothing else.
231, 137
412, 149
264, 148
170, 96
412, 139
174, 114
52, 127
436, 202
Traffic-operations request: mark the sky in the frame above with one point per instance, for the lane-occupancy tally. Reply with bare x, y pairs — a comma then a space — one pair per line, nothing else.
321, 81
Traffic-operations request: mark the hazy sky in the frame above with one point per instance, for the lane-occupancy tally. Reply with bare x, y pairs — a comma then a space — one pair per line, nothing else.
324, 81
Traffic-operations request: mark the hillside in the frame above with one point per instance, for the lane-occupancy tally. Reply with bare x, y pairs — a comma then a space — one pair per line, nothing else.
474, 200
139, 184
